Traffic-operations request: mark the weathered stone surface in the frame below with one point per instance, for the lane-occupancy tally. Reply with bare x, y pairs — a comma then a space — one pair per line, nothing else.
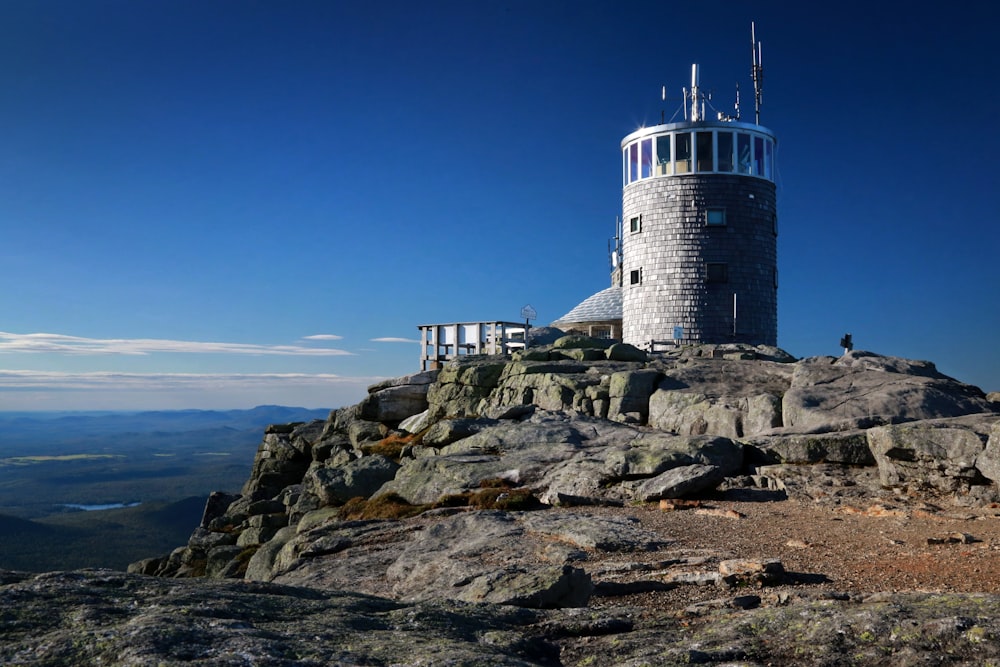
422, 378
260, 528
679, 482
861, 390
278, 464
116, 618
694, 414
447, 431
361, 477
762, 412
122, 619
822, 482
626, 352
937, 456
716, 377
578, 354
482, 372
449, 556
395, 403
216, 505
456, 556
650, 454
591, 531
219, 559
362, 431
849, 447
584, 342
416, 423
629, 391
988, 461
428, 479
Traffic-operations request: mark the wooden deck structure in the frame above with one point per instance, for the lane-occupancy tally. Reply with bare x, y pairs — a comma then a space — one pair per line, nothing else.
440, 342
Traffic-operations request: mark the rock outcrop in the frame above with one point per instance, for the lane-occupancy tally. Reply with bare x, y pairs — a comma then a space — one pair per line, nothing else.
436, 484
471, 516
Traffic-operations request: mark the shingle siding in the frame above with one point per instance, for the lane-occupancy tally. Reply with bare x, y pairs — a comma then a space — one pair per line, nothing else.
674, 247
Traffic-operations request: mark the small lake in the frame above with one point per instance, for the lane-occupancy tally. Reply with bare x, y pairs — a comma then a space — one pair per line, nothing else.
96, 508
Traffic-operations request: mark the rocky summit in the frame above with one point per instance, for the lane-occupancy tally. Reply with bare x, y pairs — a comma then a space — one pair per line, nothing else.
578, 503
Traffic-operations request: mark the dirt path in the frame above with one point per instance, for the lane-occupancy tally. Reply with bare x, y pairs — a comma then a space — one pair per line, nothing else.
853, 549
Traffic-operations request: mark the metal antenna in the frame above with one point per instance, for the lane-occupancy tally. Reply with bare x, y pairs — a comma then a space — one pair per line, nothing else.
737, 100
695, 82
757, 72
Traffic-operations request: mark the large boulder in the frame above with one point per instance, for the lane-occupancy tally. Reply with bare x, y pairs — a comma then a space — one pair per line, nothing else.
988, 461
629, 392
846, 447
395, 400
651, 454
679, 482
689, 413
732, 398
456, 557
934, 456
462, 384
359, 478
278, 463
861, 390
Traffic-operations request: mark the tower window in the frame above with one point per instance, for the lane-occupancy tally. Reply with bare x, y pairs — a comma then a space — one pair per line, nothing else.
635, 224
715, 217
703, 145
725, 150
717, 272
635, 276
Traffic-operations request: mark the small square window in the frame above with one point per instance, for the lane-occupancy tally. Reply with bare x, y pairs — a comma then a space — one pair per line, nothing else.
635, 276
717, 272
715, 217
635, 224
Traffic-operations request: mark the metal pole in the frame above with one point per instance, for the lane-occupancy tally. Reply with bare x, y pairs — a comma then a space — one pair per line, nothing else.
734, 315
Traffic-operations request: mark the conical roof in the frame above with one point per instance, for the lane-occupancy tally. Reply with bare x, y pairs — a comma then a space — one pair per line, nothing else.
605, 305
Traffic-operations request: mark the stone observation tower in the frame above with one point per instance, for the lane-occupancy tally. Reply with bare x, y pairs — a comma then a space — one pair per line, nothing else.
697, 257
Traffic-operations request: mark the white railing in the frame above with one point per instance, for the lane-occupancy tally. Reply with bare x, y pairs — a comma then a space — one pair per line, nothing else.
440, 342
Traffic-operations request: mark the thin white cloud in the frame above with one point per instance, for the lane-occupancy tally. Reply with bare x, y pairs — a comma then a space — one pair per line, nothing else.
323, 337
63, 344
22, 380
49, 390
390, 339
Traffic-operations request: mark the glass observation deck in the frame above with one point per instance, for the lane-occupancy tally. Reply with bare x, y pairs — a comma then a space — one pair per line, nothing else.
703, 147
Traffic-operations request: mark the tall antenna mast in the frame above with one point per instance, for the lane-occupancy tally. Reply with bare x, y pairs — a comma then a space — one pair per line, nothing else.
756, 71
695, 112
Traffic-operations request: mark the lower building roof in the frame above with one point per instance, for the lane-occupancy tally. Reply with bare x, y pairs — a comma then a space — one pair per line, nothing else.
605, 305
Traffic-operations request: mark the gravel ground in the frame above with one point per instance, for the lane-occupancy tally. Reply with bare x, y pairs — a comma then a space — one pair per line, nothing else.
847, 548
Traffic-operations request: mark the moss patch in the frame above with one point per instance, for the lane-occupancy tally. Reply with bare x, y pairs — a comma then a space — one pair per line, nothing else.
500, 496
392, 445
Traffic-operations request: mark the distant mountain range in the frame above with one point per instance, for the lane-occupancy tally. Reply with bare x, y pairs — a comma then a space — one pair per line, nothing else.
52, 459
20, 428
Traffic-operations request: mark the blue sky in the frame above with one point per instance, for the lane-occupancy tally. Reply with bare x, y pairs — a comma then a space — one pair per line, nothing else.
220, 204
